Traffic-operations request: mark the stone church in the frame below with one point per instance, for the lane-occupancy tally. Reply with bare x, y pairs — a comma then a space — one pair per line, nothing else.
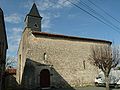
48, 60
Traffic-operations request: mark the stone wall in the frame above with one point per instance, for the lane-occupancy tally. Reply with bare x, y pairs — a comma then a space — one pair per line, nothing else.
66, 59
69, 59
22, 50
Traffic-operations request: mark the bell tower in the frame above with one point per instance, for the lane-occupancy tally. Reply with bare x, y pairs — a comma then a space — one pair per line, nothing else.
33, 19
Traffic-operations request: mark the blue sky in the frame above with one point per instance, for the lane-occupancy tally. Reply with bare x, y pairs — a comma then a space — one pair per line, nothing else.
60, 17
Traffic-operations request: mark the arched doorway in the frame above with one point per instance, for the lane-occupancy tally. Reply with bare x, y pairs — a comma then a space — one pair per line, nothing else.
44, 78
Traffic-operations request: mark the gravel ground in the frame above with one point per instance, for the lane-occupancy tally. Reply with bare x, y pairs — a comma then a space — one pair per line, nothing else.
88, 88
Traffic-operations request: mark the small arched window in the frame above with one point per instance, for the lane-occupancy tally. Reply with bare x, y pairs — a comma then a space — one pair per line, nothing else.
45, 56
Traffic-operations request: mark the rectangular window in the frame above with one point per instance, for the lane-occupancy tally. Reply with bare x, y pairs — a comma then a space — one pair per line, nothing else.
84, 64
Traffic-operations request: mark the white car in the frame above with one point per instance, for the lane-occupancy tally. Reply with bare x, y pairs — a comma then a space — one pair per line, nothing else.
114, 78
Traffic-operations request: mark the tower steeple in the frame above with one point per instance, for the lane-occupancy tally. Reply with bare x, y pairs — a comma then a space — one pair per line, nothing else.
33, 19
34, 11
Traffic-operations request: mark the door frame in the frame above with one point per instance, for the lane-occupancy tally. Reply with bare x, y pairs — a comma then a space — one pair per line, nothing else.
45, 71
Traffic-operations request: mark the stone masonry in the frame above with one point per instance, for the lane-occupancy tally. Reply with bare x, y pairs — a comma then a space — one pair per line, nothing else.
66, 58
48, 60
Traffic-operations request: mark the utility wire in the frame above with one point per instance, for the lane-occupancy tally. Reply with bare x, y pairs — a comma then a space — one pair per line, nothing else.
100, 16
104, 11
93, 15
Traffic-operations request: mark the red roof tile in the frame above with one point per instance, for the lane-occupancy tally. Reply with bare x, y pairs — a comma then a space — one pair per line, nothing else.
69, 37
11, 71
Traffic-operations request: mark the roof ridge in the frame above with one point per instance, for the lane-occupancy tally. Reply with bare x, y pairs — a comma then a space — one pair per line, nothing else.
34, 11
68, 36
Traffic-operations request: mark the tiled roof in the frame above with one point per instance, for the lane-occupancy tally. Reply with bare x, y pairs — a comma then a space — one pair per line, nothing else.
69, 37
10, 71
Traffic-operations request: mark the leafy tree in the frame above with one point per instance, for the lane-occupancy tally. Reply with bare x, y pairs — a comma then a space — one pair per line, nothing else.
105, 58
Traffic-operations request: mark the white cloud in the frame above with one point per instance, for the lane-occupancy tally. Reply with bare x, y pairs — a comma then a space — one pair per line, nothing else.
13, 39
13, 18
46, 24
50, 4
64, 3
46, 21
14, 35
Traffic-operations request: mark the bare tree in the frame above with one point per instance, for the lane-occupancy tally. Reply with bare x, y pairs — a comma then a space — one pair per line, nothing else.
105, 58
11, 62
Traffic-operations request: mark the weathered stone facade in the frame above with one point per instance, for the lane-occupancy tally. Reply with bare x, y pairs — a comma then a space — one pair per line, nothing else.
3, 50
66, 59
59, 60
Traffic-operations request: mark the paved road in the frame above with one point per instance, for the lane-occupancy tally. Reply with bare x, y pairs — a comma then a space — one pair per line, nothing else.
89, 88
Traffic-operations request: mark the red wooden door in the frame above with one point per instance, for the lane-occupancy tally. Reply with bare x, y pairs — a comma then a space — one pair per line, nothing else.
44, 78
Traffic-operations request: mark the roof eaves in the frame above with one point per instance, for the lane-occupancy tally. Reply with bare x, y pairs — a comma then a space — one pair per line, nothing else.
69, 37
